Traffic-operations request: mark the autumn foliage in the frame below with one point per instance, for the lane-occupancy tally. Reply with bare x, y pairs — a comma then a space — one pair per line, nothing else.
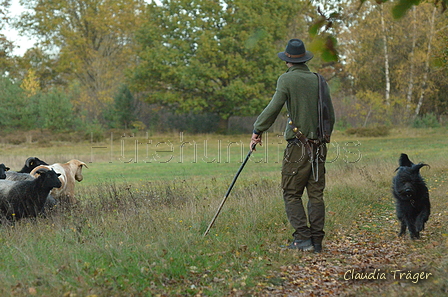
385, 61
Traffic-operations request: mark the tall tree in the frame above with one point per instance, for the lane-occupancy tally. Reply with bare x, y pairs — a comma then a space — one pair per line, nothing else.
411, 62
93, 40
45, 65
121, 113
30, 84
386, 56
321, 27
419, 67
431, 34
213, 56
6, 46
16, 107
411, 59
363, 49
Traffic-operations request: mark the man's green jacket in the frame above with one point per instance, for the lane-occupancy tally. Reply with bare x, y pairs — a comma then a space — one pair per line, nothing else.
298, 87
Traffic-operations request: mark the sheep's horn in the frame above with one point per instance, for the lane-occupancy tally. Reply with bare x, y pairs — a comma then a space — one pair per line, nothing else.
42, 170
29, 161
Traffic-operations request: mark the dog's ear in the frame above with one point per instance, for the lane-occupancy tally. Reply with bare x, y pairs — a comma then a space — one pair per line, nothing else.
417, 167
404, 161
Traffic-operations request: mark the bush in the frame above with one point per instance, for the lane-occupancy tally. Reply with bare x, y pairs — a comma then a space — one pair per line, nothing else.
376, 131
94, 132
55, 111
192, 123
120, 113
341, 124
16, 107
428, 120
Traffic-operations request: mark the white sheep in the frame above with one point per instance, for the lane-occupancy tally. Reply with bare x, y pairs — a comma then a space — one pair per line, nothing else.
20, 199
70, 172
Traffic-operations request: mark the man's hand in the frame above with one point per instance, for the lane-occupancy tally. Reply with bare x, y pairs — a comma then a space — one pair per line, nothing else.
256, 139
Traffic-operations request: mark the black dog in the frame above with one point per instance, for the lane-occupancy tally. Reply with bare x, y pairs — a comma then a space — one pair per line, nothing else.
411, 197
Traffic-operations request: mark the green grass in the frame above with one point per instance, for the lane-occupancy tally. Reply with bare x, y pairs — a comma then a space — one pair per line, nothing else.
139, 228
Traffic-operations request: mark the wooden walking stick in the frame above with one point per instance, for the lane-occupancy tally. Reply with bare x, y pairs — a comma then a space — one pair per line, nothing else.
228, 190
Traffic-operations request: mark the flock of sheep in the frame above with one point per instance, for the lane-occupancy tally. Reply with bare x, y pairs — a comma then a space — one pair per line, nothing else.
37, 188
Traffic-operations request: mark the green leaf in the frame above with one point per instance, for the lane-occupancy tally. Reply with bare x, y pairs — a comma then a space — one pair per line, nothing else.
326, 47
258, 35
400, 9
314, 28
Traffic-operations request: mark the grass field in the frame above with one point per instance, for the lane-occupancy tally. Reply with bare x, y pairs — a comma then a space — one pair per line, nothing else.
146, 201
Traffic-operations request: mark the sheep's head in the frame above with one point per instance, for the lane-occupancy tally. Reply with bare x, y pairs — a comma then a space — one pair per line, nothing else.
50, 178
31, 163
76, 167
3, 169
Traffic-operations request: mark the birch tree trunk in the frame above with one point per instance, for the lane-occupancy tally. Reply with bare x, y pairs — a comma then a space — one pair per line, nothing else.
411, 62
386, 56
428, 57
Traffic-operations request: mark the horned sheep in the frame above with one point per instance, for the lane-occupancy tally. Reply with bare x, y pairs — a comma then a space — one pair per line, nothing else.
24, 173
20, 199
69, 173
30, 164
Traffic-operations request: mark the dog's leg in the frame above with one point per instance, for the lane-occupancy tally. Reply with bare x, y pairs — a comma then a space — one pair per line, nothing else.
412, 230
415, 235
403, 228
419, 223
421, 219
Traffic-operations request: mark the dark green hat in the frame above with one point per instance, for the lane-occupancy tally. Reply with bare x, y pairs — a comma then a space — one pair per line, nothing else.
295, 52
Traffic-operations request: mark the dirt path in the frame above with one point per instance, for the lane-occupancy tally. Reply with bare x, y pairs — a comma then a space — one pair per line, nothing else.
371, 249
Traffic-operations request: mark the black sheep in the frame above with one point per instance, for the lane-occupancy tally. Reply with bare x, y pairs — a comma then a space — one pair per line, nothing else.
30, 164
21, 199
3, 170
24, 173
